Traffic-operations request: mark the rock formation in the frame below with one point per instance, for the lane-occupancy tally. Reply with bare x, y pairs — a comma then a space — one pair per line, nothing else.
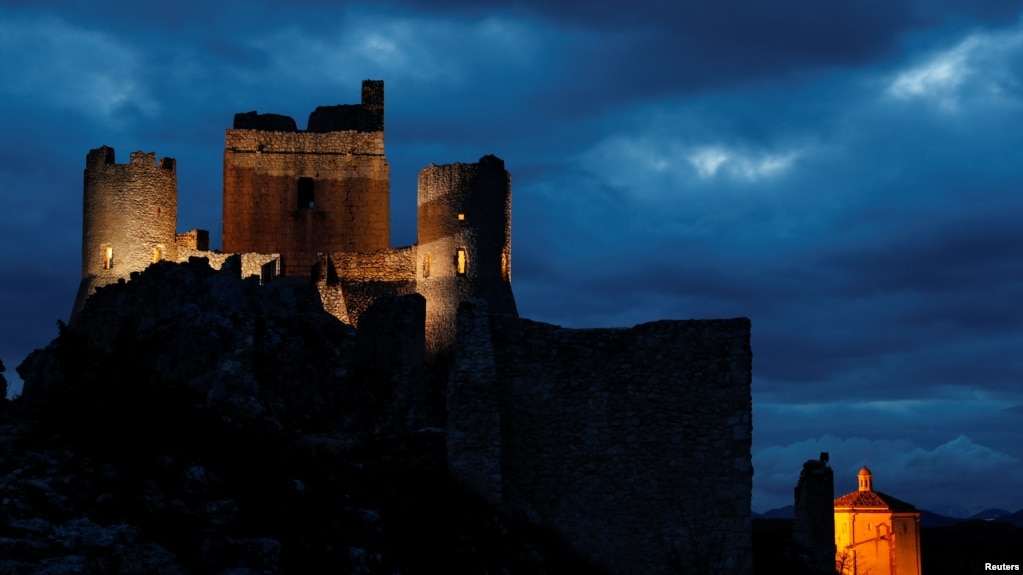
194, 422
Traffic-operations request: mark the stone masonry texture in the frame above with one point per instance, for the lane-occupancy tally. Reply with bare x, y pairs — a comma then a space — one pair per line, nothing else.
129, 216
463, 207
633, 444
300, 193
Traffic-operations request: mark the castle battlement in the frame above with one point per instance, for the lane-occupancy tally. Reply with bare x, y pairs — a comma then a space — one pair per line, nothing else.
104, 156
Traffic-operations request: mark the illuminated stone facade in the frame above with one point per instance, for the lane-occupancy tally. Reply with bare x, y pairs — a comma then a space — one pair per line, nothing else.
303, 193
463, 252
875, 533
129, 216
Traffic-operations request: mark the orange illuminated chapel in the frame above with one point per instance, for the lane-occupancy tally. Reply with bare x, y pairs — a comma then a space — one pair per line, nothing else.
875, 533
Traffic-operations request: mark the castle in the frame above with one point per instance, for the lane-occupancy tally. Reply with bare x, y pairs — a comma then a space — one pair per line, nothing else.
314, 203
632, 443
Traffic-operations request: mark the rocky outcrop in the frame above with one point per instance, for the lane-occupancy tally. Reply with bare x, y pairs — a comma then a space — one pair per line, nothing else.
190, 421
263, 356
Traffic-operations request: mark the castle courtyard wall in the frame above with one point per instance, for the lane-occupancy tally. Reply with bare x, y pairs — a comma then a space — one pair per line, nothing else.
264, 266
349, 282
633, 444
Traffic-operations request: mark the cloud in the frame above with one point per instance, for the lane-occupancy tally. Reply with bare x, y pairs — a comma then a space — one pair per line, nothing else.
89, 71
901, 467
937, 79
402, 47
979, 66
750, 167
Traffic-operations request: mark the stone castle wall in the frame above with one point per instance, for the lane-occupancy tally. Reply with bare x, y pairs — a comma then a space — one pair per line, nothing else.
198, 240
349, 282
633, 444
266, 267
302, 193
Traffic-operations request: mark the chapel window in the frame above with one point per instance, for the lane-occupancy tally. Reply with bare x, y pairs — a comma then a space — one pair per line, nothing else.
108, 257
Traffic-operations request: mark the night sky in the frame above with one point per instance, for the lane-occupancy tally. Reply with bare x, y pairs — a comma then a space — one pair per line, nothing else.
846, 174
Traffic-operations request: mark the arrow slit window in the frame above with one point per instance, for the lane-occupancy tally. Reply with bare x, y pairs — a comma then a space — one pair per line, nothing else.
461, 261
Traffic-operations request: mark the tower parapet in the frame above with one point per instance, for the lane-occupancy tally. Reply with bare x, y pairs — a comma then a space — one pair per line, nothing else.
129, 216
464, 246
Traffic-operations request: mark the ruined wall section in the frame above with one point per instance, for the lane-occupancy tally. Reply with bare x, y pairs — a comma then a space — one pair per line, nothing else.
328, 287
129, 216
367, 116
813, 527
302, 193
633, 444
349, 282
193, 240
266, 267
464, 244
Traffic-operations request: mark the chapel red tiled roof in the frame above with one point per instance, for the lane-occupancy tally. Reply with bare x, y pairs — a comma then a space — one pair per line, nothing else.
873, 499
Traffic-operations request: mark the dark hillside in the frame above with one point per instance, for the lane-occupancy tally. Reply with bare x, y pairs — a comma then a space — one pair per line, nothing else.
193, 422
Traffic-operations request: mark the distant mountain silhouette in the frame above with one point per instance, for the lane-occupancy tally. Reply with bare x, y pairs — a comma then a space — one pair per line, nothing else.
927, 518
954, 510
989, 514
1013, 518
787, 512
931, 519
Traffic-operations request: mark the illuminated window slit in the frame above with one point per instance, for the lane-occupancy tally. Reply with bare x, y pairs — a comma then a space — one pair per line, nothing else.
462, 262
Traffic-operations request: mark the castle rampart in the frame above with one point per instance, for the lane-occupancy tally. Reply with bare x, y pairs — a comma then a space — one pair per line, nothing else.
634, 444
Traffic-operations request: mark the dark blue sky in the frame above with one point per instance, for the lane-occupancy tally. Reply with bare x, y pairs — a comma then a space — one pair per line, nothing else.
845, 174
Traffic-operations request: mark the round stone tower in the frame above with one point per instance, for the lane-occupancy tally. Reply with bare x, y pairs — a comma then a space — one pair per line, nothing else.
464, 245
129, 217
